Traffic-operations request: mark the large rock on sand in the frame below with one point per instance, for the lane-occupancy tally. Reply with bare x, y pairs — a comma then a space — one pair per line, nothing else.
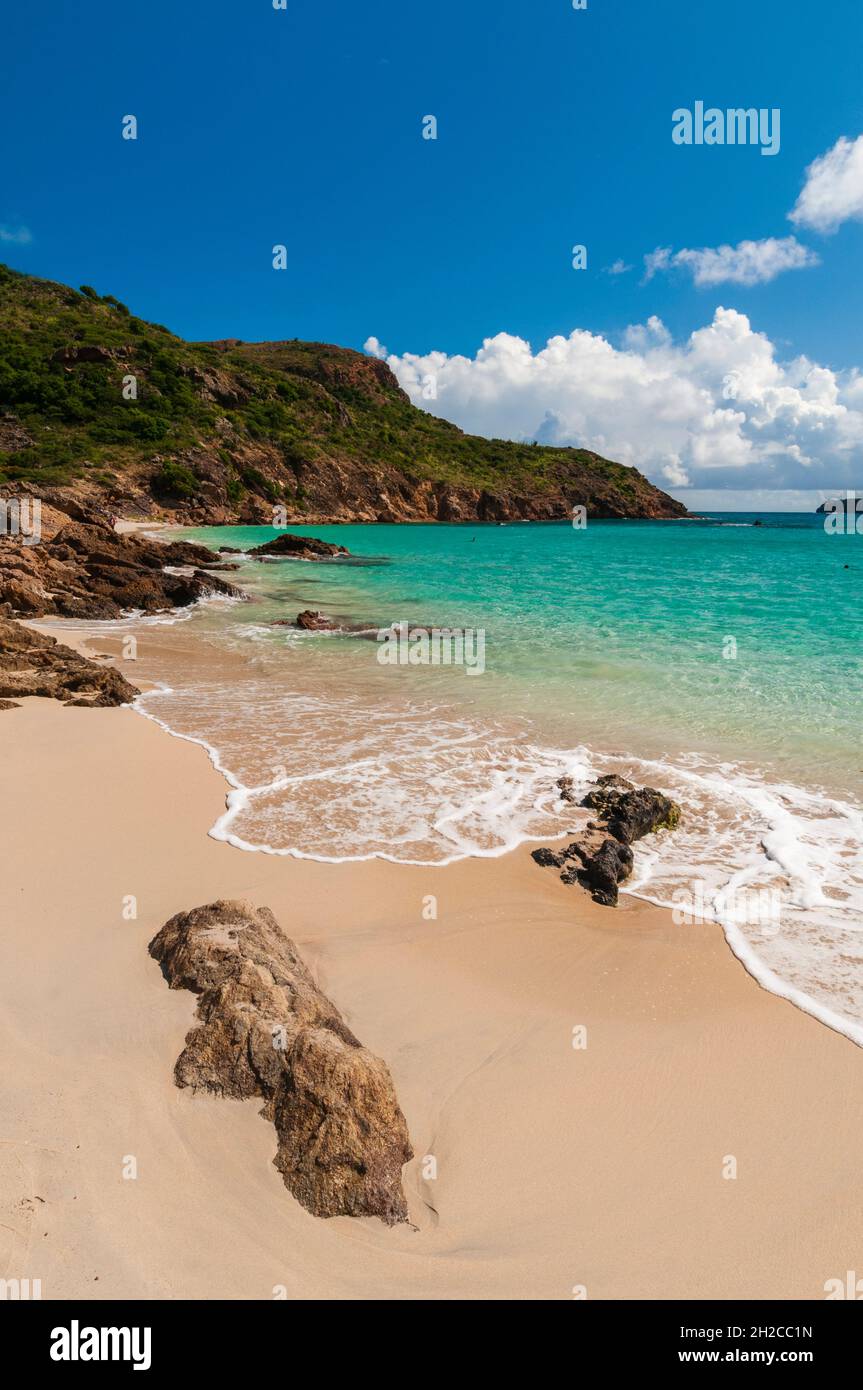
600, 870
31, 663
267, 1030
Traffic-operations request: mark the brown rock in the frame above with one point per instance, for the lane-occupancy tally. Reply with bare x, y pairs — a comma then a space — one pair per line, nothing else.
298, 547
566, 787
267, 1030
87, 352
34, 664
83, 569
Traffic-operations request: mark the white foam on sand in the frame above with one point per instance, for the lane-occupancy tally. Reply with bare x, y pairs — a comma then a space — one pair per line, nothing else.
779, 866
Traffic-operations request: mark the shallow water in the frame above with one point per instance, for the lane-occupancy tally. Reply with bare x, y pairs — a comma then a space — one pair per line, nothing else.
717, 660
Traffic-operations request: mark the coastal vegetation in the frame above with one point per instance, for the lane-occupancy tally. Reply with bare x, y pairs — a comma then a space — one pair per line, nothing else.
100, 401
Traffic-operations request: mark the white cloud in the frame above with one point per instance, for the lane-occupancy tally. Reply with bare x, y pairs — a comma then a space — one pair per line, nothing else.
748, 263
756, 500
675, 474
20, 235
639, 336
618, 267
375, 348
833, 191
656, 261
663, 406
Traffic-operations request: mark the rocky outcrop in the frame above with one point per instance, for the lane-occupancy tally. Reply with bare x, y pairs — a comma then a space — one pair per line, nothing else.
600, 858
73, 353
267, 1030
298, 548
34, 664
83, 569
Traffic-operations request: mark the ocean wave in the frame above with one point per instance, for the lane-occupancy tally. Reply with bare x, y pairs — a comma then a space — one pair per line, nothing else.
779, 867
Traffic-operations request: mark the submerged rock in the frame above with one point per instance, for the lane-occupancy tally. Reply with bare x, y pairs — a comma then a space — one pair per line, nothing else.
566, 787
267, 1030
315, 622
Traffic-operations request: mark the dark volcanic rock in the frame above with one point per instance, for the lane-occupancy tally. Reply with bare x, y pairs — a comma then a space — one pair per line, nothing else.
299, 547
549, 858
267, 1030
566, 787
600, 858
631, 812
33, 664
604, 870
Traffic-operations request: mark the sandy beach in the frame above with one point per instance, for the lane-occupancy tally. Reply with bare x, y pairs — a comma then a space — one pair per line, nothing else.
559, 1168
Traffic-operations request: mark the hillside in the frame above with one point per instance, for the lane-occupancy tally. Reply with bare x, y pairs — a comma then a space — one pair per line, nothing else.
223, 431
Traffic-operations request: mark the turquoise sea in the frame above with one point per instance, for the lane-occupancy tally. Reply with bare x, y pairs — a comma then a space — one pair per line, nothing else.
718, 659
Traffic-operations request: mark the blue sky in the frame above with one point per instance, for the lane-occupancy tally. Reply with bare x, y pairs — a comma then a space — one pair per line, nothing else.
303, 127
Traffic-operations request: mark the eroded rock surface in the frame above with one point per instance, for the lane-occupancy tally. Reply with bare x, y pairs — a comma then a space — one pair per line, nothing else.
83, 569
267, 1030
33, 664
629, 811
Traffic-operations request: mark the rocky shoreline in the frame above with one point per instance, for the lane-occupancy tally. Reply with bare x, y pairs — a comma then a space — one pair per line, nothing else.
265, 1030
84, 569
81, 568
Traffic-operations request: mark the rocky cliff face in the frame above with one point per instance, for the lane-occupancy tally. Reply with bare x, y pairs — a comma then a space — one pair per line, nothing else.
107, 406
267, 1030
